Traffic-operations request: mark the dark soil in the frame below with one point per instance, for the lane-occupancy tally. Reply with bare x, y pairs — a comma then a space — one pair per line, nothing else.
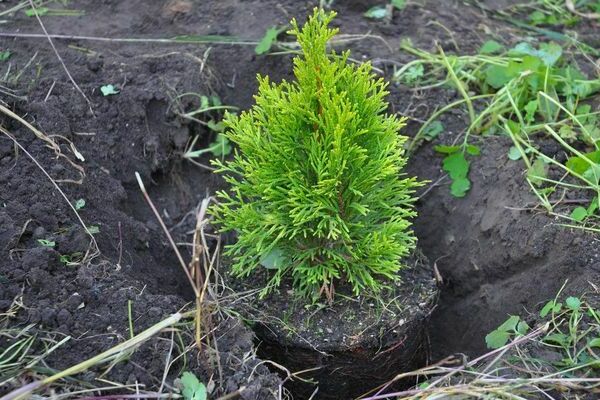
370, 339
495, 257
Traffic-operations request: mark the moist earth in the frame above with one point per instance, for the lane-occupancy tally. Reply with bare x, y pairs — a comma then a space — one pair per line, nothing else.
497, 252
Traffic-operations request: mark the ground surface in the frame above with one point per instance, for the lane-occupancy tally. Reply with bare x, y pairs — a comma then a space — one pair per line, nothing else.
495, 258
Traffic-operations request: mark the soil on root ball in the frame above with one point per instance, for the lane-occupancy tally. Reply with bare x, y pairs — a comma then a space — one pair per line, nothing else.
351, 346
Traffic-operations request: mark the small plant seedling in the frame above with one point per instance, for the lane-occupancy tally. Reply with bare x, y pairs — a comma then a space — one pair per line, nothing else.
268, 40
5, 55
79, 204
317, 191
399, 4
579, 214
513, 326
109, 90
192, 388
220, 147
377, 12
93, 229
456, 164
526, 92
491, 47
382, 12
47, 243
433, 130
69, 259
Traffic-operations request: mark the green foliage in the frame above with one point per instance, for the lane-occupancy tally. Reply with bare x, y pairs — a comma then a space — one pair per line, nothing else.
457, 166
317, 190
220, 147
513, 326
268, 40
192, 388
108, 90
385, 12
557, 12
79, 204
377, 12
491, 47
5, 55
47, 243
526, 92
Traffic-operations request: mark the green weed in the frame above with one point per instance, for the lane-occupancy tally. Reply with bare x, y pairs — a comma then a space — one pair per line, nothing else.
530, 93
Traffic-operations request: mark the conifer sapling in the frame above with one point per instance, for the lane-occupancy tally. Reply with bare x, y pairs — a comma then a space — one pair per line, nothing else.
317, 191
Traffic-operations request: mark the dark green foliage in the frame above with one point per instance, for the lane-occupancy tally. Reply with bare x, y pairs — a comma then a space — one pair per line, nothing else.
316, 185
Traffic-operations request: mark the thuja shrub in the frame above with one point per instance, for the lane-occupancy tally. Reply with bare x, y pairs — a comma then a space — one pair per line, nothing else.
317, 191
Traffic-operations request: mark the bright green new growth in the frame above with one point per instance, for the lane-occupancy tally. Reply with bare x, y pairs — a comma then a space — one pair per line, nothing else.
316, 185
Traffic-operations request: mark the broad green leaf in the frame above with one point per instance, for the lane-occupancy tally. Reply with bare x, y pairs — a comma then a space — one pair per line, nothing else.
594, 342
514, 127
593, 174
399, 4
215, 100
274, 260
537, 17
579, 165
79, 204
581, 112
443, 149
204, 102
584, 89
594, 133
268, 39
548, 53
491, 47
473, 150
460, 187
573, 303
496, 76
456, 165
522, 328
557, 338
538, 170
579, 214
433, 130
566, 132
414, 73
193, 389
514, 153
510, 324
5, 55
496, 339
550, 306
377, 12
215, 126
532, 64
530, 110
221, 146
